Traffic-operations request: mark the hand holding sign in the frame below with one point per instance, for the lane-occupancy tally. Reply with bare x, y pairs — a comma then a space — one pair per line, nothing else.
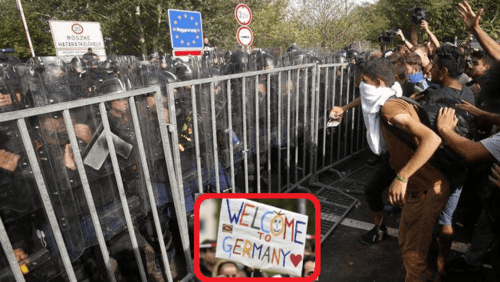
261, 236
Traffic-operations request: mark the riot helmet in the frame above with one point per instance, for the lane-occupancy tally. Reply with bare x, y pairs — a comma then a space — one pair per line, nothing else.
146, 73
76, 65
184, 72
339, 58
153, 58
292, 48
111, 85
239, 61
266, 61
315, 60
298, 58
352, 54
227, 56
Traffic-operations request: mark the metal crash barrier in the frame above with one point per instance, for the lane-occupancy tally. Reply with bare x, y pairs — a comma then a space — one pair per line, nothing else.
109, 181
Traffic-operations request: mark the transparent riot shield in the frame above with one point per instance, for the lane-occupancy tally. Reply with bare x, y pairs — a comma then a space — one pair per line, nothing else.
75, 74
54, 78
10, 98
22, 212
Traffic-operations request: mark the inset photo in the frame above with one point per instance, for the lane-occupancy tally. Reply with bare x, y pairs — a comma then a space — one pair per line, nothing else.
256, 236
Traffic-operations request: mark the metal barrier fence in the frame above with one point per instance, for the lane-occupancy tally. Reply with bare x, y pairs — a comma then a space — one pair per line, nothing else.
237, 133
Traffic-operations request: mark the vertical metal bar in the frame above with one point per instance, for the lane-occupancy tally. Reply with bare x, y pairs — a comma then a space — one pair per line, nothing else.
231, 138
44, 195
340, 100
269, 132
314, 121
257, 135
360, 129
279, 131
119, 183
175, 176
9, 252
214, 137
333, 129
245, 144
288, 120
354, 112
196, 140
347, 121
147, 178
326, 116
297, 96
88, 193
306, 98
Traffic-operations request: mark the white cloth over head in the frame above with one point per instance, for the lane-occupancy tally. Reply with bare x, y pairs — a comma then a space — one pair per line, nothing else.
372, 100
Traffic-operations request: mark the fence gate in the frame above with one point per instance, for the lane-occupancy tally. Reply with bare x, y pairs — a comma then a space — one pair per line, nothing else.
94, 175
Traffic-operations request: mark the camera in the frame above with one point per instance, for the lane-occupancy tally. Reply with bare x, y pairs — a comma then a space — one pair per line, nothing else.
387, 36
419, 15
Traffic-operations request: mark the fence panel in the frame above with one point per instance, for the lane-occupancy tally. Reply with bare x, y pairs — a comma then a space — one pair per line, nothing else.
73, 179
262, 131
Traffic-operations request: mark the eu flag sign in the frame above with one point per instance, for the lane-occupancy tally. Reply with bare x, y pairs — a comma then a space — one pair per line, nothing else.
186, 30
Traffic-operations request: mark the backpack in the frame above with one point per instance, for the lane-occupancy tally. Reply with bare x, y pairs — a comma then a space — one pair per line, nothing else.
450, 163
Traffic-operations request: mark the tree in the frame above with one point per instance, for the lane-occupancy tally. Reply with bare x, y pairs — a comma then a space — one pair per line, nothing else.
442, 17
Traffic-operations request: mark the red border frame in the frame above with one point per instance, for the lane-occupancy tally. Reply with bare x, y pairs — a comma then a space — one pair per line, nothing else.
317, 237
249, 11
78, 25
238, 32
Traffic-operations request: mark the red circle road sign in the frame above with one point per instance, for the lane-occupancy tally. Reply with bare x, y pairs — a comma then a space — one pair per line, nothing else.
244, 36
243, 14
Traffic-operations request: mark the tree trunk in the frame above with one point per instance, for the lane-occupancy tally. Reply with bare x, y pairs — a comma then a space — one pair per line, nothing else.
142, 41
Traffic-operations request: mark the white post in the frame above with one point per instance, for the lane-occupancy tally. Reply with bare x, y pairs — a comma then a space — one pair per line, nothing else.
25, 25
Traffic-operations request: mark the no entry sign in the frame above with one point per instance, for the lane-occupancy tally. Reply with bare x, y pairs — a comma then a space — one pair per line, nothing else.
244, 36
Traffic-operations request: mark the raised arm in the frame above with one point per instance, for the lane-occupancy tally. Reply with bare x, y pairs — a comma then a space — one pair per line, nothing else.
471, 20
400, 34
425, 26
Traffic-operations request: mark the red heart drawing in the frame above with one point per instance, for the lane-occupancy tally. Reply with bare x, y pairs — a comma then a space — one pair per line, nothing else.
296, 259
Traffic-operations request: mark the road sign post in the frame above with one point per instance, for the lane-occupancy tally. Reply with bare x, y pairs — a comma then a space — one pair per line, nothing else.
243, 16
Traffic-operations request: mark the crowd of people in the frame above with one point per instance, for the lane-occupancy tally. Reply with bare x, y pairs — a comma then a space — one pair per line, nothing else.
431, 112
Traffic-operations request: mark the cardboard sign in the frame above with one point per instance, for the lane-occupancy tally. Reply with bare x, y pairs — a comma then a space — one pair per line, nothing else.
261, 236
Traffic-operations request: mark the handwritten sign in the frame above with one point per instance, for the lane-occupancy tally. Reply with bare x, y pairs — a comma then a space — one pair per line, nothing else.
261, 236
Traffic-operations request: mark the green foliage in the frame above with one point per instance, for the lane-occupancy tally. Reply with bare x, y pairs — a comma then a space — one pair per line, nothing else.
141, 26
272, 29
442, 17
